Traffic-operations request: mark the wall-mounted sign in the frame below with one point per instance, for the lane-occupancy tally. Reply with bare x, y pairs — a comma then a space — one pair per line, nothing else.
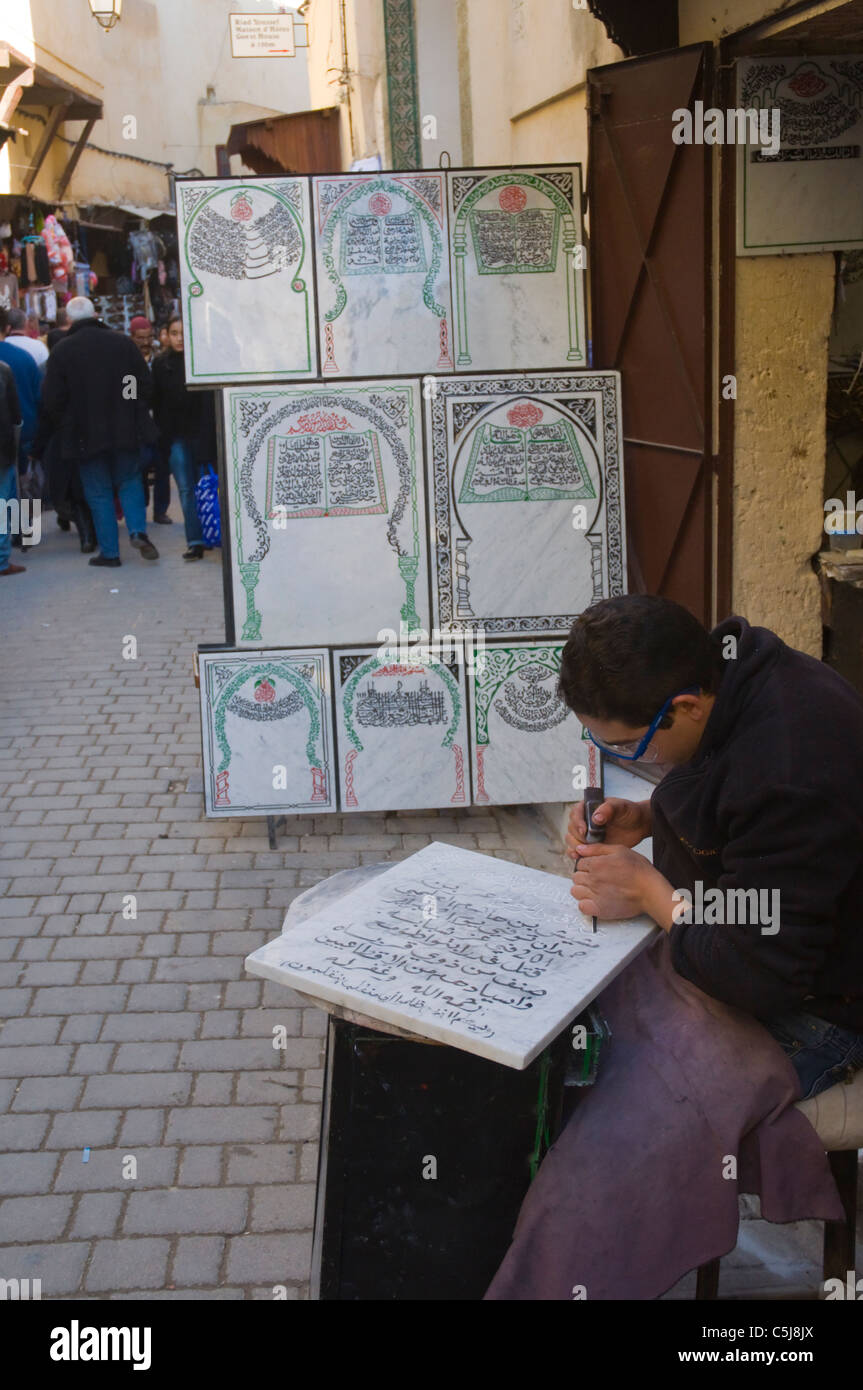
808, 194
262, 36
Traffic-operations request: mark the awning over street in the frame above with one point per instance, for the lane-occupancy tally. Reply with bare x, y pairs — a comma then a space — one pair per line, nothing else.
306, 142
31, 87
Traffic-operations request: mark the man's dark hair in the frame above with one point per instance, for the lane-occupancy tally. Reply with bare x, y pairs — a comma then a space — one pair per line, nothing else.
625, 656
17, 319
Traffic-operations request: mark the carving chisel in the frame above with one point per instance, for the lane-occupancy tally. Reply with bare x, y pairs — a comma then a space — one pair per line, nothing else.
593, 799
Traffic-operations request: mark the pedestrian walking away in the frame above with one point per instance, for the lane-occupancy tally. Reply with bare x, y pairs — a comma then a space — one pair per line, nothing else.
156, 467
96, 394
186, 423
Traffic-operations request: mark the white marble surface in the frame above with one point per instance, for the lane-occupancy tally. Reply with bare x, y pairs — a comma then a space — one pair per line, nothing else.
402, 731
527, 523
266, 722
382, 258
525, 744
802, 199
247, 280
472, 951
518, 277
327, 512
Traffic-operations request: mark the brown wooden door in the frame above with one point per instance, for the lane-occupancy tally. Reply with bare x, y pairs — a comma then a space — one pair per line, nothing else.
651, 276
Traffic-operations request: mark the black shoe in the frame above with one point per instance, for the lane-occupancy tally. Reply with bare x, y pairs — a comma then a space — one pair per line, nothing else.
195, 552
140, 541
164, 520
83, 520
103, 560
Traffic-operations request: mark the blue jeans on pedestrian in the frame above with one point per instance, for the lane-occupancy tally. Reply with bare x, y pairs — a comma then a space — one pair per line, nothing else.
100, 475
185, 471
8, 491
821, 1053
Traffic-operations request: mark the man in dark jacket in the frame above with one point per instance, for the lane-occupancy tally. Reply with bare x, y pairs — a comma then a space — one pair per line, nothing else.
757, 826
96, 391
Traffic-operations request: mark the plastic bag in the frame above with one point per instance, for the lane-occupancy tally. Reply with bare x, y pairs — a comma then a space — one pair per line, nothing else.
207, 504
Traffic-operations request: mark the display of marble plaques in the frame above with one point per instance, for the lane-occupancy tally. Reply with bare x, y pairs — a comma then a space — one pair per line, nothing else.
807, 196
526, 745
266, 721
327, 512
526, 491
475, 952
247, 279
382, 252
518, 267
402, 730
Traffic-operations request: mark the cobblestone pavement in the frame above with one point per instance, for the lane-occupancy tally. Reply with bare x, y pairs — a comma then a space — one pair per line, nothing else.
141, 1038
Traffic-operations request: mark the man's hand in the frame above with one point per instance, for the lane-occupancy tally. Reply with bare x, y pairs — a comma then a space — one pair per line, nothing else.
612, 883
626, 823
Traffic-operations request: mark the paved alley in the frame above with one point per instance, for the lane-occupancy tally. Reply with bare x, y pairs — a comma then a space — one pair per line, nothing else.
140, 1036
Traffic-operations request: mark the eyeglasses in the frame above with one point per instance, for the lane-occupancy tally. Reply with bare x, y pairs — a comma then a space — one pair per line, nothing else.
618, 750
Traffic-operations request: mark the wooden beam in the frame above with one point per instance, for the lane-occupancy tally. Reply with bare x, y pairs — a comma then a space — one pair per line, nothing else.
74, 157
13, 93
55, 120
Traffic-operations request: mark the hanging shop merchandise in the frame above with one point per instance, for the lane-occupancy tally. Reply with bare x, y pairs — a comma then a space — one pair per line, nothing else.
484, 508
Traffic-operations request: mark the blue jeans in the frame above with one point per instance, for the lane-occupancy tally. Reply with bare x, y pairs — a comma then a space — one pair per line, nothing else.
185, 471
8, 491
120, 469
821, 1053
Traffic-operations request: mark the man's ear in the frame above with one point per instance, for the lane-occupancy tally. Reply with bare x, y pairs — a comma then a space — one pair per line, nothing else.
690, 705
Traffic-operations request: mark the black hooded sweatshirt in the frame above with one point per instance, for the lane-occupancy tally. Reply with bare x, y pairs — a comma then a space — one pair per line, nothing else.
772, 799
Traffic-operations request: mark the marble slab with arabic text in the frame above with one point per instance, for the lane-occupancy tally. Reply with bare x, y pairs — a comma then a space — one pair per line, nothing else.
468, 950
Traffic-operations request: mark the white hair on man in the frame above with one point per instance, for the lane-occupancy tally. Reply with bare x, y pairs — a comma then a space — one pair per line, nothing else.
80, 308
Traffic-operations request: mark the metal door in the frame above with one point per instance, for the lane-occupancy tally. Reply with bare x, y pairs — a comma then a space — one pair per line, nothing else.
651, 261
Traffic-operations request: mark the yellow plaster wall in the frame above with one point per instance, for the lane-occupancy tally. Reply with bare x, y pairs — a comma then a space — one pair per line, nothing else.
782, 327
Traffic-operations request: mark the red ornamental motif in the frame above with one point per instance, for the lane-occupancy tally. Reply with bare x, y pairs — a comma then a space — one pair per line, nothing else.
319, 422
264, 692
807, 84
241, 208
512, 198
380, 204
524, 415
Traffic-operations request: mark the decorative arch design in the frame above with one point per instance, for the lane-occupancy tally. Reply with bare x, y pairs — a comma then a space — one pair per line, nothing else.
265, 668
460, 245
368, 666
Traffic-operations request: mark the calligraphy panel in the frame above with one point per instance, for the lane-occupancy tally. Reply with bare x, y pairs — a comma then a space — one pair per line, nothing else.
383, 274
327, 506
402, 729
526, 745
266, 724
527, 526
472, 951
804, 190
518, 266
247, 283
